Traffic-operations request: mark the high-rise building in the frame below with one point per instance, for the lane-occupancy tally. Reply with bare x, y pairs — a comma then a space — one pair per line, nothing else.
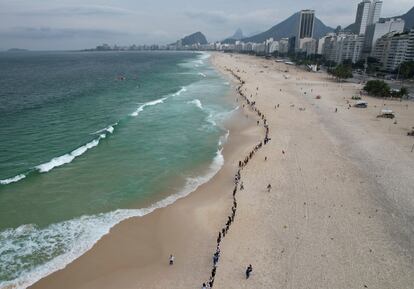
309, 46
342, 47
368, 13
306, 24
393, 49
321, 43
379, 29
410, 49
374, 12
305, 29
331, 48
362, 16
352, 46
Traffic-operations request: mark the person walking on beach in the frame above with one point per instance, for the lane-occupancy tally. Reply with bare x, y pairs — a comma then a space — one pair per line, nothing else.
171, 260
204, 286
249, 271
269, 187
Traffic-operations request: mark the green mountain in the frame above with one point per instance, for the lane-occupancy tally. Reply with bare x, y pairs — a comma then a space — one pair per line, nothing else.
288, 28
195, 38
408, 18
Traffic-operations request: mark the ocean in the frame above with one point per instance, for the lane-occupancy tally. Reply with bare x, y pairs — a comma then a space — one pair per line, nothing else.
88, 139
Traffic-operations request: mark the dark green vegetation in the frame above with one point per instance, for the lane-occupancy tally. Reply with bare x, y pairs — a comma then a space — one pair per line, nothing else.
407, 69
380, 88
341, 72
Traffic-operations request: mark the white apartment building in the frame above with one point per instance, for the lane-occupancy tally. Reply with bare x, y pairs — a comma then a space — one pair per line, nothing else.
342, 47
259, 48
379, 29
308, 45
393, 49
273, 47
410, 49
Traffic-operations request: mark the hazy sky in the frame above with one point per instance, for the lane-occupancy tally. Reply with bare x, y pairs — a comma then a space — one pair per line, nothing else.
75, 24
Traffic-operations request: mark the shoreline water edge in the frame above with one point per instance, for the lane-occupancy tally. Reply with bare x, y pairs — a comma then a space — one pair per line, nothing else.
315, 208
103, 223
241, 133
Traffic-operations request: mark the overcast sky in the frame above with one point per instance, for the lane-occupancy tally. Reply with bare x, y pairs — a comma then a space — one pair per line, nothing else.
76, 24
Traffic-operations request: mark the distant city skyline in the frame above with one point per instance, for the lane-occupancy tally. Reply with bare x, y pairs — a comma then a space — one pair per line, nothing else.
75, 24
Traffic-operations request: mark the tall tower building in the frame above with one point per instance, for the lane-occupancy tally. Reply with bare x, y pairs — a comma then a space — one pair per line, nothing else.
368, 13
306, 24
362, 16
305, 29
374, 12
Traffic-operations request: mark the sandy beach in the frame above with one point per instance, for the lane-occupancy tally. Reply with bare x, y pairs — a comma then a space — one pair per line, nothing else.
340, 213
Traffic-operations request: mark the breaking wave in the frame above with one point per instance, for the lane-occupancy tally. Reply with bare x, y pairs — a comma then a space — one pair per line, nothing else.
150, 103
60, 244
197, 103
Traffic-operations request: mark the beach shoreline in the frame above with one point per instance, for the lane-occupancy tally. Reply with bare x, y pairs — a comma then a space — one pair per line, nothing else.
212, 197
339, 213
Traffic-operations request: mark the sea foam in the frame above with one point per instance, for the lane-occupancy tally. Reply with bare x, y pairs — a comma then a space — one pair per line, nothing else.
73, 238
150, 103
197, 103
178, 93
13, 179
67, 158
64, 159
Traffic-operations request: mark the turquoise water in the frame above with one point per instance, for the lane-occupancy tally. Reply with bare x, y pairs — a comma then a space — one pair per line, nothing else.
90, 139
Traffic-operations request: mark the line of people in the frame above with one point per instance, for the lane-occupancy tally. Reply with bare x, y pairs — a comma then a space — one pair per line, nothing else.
237, 181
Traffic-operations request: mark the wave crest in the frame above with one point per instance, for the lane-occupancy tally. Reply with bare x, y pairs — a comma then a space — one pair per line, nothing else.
71, 239
14, 179
150, 103
197, 103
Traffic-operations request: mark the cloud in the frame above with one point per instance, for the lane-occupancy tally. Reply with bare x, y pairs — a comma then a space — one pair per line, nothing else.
73, 11
209, 16
88, 22
91, 10
217, 17
47, 33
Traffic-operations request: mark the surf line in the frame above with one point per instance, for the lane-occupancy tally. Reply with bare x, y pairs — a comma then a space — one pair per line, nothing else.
238, 184
70, 156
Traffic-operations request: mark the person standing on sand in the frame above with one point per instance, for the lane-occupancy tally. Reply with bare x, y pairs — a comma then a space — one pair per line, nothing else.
171, 260
204, 286
249, 271
269, 187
